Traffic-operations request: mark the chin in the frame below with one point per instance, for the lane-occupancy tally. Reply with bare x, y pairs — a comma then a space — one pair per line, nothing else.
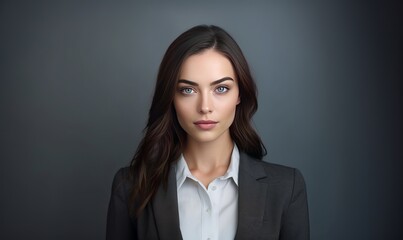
206, 137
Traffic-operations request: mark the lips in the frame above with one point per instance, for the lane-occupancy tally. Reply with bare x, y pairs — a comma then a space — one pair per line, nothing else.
206, 124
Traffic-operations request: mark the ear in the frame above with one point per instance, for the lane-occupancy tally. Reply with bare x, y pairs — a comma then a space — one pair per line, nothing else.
238, 101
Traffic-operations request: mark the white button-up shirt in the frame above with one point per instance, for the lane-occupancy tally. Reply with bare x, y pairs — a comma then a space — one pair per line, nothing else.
212, 213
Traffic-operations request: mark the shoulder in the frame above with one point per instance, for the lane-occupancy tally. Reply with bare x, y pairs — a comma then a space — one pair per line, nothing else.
122, 180
123, 174
120, 224
280, 171
288, 196
271, 171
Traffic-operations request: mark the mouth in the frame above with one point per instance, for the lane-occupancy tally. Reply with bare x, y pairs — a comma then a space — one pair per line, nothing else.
206, 124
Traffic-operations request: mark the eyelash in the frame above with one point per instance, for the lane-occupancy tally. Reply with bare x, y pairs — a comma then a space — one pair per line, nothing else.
226, 89
183, 89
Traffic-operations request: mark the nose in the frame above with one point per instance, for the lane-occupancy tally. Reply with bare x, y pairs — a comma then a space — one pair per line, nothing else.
205, 103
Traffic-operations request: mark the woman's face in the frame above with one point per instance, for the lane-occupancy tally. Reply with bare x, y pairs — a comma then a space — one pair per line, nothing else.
206, 96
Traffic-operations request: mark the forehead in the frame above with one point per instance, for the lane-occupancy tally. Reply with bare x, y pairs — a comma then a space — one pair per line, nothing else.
208, 65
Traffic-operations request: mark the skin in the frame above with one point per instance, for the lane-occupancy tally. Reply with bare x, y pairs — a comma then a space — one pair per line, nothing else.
207, 89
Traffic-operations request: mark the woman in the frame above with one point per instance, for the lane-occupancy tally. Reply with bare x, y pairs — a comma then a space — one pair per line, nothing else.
197, 173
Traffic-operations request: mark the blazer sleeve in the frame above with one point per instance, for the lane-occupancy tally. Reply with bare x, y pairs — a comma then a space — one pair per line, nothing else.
295, 224
119, 224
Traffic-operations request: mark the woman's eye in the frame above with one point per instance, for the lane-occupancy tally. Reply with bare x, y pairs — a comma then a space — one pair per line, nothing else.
187, 90
222, 89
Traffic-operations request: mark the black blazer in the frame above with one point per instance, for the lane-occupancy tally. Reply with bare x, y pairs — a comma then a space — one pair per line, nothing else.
272, 204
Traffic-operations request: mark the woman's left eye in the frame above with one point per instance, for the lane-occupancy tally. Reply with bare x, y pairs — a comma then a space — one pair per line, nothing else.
221, 89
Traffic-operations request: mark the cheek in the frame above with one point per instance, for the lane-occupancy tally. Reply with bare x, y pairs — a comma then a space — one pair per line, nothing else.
181, 110
230, 104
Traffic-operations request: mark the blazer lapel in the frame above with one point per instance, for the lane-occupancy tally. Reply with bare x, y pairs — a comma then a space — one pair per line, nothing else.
165, 208
251, 198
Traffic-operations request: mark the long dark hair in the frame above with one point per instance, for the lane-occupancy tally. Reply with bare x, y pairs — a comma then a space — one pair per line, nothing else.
163, 136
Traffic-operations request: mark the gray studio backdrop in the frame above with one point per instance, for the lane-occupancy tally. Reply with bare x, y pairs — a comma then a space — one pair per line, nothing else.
77, 78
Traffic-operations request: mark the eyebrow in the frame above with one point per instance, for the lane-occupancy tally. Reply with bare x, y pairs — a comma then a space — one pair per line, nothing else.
211, 84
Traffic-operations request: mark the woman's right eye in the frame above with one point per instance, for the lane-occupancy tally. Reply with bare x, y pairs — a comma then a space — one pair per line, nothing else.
187, 90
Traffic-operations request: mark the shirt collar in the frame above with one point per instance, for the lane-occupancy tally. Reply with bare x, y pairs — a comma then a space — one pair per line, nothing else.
183, 172
233, 167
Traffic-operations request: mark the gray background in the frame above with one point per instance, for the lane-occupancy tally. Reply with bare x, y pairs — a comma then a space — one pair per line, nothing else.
77, 79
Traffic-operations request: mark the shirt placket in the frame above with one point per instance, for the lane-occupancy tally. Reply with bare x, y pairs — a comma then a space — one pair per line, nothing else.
206, 216
211, 211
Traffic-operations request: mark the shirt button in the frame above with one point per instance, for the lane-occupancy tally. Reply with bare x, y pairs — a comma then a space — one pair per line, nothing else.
214, 188
208, 210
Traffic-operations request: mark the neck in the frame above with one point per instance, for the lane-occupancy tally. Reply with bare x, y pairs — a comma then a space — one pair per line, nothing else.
208, 155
